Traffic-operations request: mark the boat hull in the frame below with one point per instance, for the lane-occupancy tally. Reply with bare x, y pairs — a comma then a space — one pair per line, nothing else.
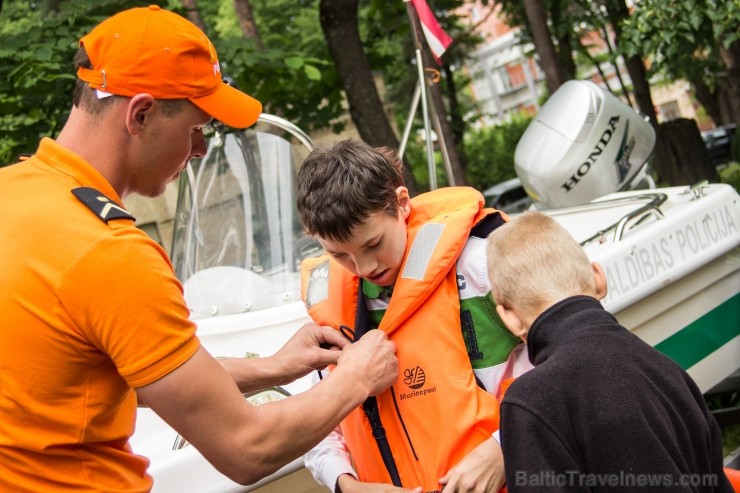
695, 321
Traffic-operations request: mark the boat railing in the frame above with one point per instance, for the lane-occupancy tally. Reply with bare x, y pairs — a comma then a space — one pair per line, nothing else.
651, 207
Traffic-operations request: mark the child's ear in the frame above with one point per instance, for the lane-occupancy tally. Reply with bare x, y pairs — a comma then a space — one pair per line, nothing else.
512, 321
404, 201
599, 280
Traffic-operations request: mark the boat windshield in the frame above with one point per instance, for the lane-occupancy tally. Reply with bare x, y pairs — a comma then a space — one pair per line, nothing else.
237, 240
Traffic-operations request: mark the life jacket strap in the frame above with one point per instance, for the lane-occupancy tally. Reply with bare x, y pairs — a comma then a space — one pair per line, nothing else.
486, 225
370, 406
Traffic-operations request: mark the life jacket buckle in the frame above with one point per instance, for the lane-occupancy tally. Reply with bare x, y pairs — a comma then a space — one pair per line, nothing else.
347, 332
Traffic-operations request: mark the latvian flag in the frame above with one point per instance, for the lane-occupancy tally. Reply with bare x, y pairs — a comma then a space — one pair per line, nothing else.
437, 39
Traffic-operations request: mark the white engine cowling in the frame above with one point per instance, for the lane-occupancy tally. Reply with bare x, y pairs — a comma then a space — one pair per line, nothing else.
584, 143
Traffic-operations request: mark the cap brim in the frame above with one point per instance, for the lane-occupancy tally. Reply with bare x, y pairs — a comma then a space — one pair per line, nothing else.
230, 106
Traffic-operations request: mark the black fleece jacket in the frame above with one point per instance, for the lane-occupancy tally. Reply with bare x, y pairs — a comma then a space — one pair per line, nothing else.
604, 411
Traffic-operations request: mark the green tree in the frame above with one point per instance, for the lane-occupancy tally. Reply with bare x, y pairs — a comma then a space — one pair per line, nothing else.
491, 151
285, 62
293, 76
696, 41
288, 68
678, 145
37, 45
339, 22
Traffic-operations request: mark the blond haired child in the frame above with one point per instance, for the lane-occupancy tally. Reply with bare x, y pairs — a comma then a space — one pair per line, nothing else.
601, 409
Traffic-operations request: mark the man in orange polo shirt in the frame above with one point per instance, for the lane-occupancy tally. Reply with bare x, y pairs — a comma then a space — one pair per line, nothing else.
92, 315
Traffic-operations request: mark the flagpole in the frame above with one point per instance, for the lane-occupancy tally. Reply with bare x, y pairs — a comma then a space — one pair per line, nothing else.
407, 131
421, 85
426, 86
443, 147
427, 123
409, 120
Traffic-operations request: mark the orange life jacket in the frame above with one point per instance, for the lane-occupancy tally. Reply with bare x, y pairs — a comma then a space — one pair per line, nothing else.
435, 413
734, 476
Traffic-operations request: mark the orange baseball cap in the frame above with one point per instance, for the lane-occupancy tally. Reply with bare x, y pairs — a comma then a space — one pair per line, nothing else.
155, 51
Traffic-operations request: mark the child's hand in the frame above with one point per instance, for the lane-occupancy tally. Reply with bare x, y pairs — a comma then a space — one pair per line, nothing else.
482, 470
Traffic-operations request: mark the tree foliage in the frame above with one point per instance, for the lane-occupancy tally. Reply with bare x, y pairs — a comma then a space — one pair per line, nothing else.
696, 41
37, 46
491, 151
292, 75
683, 36
681, 39
295, 77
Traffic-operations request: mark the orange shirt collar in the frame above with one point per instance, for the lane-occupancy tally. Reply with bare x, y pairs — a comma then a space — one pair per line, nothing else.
65, 161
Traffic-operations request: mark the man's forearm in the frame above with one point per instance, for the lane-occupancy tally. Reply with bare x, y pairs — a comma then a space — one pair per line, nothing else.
281, 434
252, 374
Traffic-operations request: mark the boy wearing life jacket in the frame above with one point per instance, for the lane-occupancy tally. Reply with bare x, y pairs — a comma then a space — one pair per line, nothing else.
601, 409
414, 268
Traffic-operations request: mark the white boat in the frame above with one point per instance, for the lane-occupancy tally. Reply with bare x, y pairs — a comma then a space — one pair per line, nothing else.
671, 255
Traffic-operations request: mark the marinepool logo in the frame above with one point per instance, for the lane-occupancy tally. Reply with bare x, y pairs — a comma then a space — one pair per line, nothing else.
415, 378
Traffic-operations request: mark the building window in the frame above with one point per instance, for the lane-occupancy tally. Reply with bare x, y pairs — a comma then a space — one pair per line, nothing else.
503, 76
512, 77
516, 75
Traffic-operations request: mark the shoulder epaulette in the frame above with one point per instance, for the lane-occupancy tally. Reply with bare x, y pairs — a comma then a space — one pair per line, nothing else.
102, 206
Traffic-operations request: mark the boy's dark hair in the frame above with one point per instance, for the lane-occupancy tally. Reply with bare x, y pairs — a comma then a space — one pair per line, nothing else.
341, 186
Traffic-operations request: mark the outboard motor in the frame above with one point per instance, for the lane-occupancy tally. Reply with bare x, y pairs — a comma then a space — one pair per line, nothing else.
584, 143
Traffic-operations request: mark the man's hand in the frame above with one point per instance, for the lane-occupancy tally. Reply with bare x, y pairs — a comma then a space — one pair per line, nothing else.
312, 347
481, 471
348, 484
371, 361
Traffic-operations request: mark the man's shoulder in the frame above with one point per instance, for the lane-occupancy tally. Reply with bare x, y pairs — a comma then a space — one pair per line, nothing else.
91, 218
102, 206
